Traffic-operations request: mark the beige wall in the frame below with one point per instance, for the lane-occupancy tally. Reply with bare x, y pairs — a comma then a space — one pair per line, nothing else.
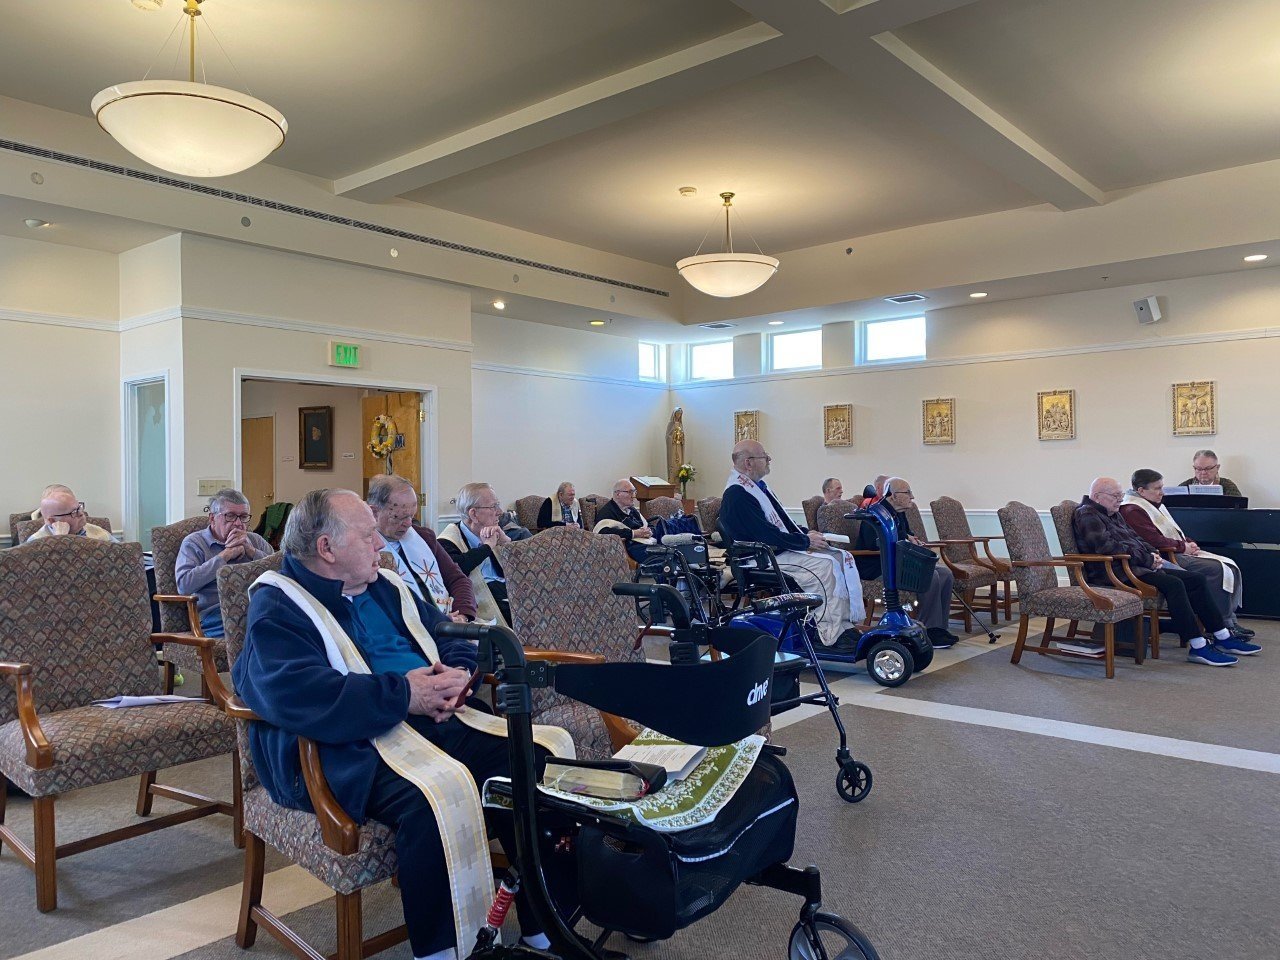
280, 401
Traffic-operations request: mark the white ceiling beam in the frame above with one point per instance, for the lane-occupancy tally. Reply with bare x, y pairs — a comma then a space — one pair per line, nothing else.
858, 43
706, 66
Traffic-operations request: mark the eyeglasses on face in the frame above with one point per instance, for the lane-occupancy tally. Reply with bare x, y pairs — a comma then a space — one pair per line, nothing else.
400, 517
765, 459
79, 511
487, 506
624, 493
236, 517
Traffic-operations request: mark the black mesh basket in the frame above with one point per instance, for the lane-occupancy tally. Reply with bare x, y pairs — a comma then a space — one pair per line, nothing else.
650, 884
915, 566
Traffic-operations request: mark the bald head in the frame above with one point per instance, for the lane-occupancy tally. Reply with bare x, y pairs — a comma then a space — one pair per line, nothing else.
59, 505
750, 458
1107, 493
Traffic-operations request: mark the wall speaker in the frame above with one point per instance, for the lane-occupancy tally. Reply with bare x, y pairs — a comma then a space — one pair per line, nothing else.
1147, 309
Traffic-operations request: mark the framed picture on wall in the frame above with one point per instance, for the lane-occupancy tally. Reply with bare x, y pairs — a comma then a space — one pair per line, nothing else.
746, 425
315, 438
837, 425
1195, 409
1056, 414
939, 420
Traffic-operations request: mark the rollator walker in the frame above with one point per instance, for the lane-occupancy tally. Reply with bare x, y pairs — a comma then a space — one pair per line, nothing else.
632, 878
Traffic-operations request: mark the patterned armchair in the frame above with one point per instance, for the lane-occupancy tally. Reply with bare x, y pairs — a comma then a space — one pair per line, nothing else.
810, 507
1152, 602
178, 611
59, 657
560, 585
24, 528
14, 520
972, 573
1040, 596
708, 510
589, 504
526, 509
953, 525
831, 519
662, 507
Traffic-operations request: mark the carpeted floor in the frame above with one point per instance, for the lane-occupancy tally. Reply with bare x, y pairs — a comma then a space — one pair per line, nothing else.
977, 843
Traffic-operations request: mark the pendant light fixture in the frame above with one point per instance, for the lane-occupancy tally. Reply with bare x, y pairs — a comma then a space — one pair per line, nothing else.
727, 274
190, 128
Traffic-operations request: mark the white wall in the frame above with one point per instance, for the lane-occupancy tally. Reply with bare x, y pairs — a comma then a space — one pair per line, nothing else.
1123, 398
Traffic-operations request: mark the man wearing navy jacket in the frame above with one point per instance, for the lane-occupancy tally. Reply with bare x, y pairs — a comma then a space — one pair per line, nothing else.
331, 546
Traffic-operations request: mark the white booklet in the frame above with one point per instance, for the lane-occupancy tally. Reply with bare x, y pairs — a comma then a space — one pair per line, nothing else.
678, 759
114, 703
1083, 648
835, 538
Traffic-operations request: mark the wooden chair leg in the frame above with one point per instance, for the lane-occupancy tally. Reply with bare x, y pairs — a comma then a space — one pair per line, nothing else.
993, 608
1008, 599
145, 797
968, 619
1155, 634
1048, 633
350, 934
46, 854
1073, 628
1022, 639
1109, 644
255, 862
237, 802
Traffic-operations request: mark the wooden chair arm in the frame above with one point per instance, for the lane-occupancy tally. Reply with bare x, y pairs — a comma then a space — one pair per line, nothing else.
189, 600
1144, 589
621, 733
339, 831
218, 691
237, 709
999, 564
561, 656
863, 553
39, 751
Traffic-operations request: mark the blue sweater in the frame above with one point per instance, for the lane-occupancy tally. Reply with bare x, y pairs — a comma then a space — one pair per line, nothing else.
285, 678
743, 519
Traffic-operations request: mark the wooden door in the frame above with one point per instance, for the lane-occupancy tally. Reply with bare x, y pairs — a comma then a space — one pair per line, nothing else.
258, 461
406, 410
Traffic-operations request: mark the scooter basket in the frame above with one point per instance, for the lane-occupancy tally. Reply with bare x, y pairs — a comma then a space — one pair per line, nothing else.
649, 884
915, 566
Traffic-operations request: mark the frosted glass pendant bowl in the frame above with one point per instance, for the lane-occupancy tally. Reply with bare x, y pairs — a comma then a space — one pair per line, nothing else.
188, 128
727, 274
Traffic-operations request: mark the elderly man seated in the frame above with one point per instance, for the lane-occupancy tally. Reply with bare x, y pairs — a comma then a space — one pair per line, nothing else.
1143, 509
472, 544
620, 518
561, 509
1100, 529
340, 654
1207, 472
424, 565
934, 609
832, 490
64, 515
750, 511
226, 540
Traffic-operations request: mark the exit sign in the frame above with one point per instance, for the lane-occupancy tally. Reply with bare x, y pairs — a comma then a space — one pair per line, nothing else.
344, 354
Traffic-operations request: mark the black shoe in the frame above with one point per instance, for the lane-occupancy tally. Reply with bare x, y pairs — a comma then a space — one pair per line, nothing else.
941, 639
1243, 632
847, 642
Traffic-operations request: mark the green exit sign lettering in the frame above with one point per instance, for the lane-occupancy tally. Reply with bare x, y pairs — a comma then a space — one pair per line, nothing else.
344, 354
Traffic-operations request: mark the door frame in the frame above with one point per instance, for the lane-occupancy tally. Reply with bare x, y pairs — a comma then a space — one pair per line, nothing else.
129, 442
428, 469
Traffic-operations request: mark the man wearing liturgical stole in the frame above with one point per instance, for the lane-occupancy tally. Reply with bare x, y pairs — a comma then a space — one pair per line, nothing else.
340, 652
750, 511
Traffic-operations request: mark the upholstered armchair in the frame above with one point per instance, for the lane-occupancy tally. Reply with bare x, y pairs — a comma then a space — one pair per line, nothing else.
527, 511
63, 649
708, 510
25, 527
560, 586
14, 520
590, 504
178, 613
1152, 601
958, 549
810, 507
953, 525
831, 519
1039, 594
663, 507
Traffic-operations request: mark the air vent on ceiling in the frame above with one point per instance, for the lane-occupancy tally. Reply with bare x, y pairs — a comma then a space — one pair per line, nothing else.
907, 298
718, 325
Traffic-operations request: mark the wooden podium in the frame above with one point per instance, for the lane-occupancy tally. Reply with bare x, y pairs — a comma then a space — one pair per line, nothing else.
646, 491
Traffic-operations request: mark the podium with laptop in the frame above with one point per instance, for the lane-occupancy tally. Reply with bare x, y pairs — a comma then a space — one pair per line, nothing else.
1226, 526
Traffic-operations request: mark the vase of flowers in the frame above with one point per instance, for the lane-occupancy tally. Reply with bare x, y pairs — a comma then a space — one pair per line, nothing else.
686, 473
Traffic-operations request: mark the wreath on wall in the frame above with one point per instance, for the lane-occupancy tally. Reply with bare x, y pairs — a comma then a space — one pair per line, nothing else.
382, 437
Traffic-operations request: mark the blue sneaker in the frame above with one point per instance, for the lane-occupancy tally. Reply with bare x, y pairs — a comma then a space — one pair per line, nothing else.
1237, 646
1210, 656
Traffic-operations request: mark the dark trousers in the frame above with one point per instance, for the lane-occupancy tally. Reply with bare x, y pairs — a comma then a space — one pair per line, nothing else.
424, 882
1186, 594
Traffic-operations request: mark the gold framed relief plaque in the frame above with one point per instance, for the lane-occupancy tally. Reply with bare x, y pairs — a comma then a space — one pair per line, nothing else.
939, 420
837, 425
1195, 409
746, 425
1056, 414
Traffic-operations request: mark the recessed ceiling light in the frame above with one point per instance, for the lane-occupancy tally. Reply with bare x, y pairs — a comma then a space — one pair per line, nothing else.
598, 323
1255, 257
776, 323
35, 224
977, 296
499, 304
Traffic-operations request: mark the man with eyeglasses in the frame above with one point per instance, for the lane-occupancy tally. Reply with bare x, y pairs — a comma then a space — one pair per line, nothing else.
64, 515
750, 511
226, 540
620, 518
473, 544
1206, 468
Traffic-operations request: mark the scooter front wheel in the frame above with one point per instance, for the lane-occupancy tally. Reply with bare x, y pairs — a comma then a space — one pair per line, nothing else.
829, 937
890, 663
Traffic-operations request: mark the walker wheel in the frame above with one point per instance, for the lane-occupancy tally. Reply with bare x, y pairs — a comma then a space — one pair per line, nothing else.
829, 937
853, 783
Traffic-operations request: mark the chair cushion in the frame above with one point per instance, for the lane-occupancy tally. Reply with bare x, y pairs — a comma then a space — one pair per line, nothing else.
974, 575
95, 745
296, 834
590, 736
1071, 603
